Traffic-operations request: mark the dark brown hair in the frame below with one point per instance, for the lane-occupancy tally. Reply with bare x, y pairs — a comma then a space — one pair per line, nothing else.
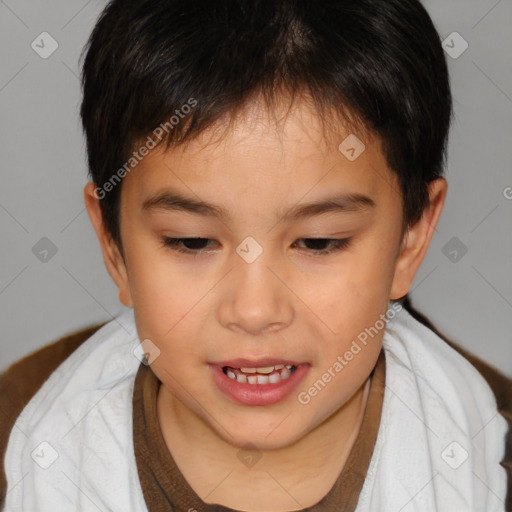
381, 60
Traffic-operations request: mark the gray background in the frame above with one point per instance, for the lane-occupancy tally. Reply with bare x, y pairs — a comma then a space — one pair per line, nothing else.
43, 170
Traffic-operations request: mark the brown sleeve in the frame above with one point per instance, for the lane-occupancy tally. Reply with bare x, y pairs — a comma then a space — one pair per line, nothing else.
500, 385
22, 380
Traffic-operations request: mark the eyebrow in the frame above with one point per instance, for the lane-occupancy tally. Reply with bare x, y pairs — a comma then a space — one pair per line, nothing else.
169, 200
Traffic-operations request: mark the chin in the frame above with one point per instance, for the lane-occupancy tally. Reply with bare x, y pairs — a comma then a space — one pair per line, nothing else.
262, 437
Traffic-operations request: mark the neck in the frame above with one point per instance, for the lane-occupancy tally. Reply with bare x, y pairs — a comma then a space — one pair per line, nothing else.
277, 481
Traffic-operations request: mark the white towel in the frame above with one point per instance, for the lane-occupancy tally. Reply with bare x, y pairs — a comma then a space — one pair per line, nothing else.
438, 449
441, 438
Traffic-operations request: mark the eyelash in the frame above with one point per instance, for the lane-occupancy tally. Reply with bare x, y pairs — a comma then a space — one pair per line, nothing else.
338, 245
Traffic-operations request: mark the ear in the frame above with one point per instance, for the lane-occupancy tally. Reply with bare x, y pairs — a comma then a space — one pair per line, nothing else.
417, 240
112, 257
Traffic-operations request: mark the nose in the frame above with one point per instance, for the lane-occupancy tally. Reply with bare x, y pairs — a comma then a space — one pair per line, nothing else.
256, 297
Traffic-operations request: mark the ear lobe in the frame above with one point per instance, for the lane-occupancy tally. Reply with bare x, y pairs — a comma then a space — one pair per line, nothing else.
417, 240
111, 254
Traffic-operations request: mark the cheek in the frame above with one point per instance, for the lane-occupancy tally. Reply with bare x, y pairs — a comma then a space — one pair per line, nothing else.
161, 297
376, 263
356, 297
359, 290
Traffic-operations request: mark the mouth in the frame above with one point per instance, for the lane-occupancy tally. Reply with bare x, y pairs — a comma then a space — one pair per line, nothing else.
262, 382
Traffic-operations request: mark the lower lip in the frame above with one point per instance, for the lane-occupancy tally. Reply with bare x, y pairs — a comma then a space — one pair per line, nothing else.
258, 394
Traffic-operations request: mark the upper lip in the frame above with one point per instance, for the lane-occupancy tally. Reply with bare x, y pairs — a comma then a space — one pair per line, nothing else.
254, 363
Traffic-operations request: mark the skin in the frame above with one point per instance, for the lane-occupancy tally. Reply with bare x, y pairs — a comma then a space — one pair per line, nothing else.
286, 304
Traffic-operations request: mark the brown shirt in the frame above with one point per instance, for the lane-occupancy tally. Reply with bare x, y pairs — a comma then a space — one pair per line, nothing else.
163, 486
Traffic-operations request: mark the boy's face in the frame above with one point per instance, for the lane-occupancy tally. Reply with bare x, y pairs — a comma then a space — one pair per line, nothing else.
288, 303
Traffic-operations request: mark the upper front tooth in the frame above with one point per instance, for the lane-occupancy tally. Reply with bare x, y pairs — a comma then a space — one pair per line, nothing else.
265, 369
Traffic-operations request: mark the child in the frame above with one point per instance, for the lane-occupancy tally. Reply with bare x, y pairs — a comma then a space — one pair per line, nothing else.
266, 180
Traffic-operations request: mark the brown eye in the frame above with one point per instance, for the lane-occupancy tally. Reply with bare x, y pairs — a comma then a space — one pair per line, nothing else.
192, 246
315, 245
196, 246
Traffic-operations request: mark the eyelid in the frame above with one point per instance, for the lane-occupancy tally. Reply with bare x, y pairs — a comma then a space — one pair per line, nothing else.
337, 245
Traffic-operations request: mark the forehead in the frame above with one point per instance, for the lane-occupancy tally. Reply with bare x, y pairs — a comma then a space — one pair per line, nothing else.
279, 158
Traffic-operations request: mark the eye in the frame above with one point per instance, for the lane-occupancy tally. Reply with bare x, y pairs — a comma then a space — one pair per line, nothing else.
193, 246
196, 246
333, 244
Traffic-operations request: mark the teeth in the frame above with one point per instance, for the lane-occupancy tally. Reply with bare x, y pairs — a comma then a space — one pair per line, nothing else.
285, 373
265, 370
265, 377
274, 378
262, 379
